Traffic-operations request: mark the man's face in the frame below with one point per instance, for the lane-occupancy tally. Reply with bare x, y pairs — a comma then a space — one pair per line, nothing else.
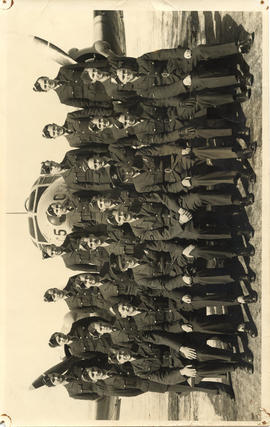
125, 310
95, 74
102, 328
61, 339
91, 242
59, 209
122, 217
126, 120
127, 174
95, 374
122, 356
53, 251
46, 84
95, 163
56, 379
88, 281
124, 75
55, 169
128, 262
53, 166
56, 294
54, 130
101, 122
104, 203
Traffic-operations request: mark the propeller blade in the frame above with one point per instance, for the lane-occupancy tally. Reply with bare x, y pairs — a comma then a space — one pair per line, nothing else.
54, 52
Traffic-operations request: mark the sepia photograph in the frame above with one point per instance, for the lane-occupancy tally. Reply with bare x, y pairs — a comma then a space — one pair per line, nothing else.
134, 213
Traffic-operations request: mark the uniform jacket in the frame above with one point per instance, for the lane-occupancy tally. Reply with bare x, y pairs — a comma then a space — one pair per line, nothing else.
156, 223
164, 369
81, 390
80, 259
83, 343
77, 178
79, 156
153, 174
76, 92
84, 214
159, 271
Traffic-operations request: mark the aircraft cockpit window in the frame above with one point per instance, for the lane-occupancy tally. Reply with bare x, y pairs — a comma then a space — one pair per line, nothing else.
31, 201
31, 227
43, 180
40, 236
40, 191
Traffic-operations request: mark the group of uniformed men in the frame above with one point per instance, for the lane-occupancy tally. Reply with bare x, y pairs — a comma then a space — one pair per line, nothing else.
155, 161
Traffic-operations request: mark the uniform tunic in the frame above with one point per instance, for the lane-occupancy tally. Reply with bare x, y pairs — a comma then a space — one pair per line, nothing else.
74, 91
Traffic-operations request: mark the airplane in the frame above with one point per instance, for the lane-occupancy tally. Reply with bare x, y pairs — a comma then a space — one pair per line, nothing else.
109, 35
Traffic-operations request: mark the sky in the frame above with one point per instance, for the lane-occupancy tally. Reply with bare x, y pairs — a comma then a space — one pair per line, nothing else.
29, 321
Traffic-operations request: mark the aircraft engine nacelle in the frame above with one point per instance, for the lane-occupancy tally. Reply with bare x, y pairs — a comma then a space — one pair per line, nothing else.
43, 227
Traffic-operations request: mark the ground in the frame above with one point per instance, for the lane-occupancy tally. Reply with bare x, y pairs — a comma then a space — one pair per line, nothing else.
225, 26
168, 29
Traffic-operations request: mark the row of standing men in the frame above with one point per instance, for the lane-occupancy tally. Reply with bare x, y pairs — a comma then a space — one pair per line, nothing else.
147, 232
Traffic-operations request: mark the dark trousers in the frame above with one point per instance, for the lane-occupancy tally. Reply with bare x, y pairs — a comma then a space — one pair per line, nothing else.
193, 201
213, 324
210, 252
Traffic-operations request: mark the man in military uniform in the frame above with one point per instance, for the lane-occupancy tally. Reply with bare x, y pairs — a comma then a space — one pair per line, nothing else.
166, 125
166, 72
156, 222
190, 201
102, 285
193, 154
80, 301
72, 158
187, 298
80, 209
72, 88
165, 272
177, 321
163, 355
76, 253
161, 80
99, 175
111, 383
171, 174
70, 377
165, 367
78, 342
87, 128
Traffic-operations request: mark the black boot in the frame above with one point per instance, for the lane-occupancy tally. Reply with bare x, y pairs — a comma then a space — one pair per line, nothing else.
243, 357
253, 146
224, 388
250, 277
248, 329
251, 298
248, 299
246, 367
248, 200
247, 233
245, 81
244, 46
247, 153
244, 134
249, 175
242, 97
248, 251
